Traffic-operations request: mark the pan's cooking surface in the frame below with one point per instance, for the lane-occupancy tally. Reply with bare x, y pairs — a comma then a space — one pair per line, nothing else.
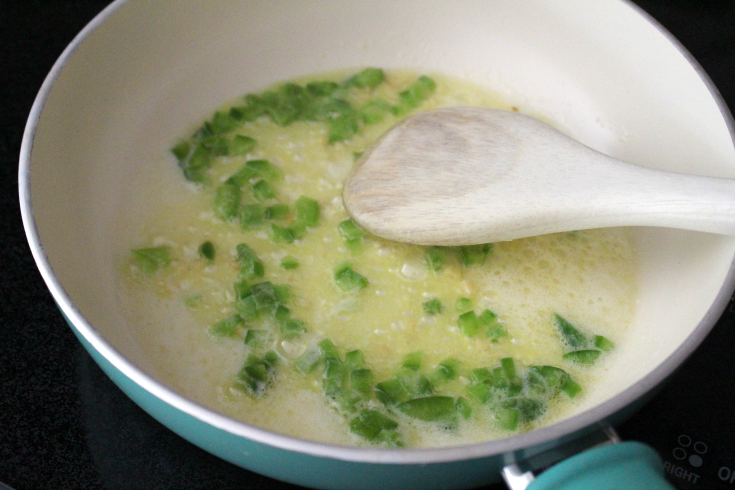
63, 424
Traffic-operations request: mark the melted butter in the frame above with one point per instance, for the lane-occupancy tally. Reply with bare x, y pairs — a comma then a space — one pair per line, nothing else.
588, 277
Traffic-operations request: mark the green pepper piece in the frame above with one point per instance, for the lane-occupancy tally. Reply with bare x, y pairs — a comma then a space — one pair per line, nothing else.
271, 358
515, 384
424, 385
298, 230
429, 408
470, 255
277, 211
361, 380
571, 387
217, 146
529, 409
241, 145
584, 356
433, 306
394, 390
318, 89
487, 318
347, 399
354, 359
222, 122
374, 111
237, 113
480, 392
251, 215
434, 258
463, 408
603, 343
242, 176
277, 105
556, 379
448, 369
496, 332
247, 308
509, 367
257, 372
389, 438
540, 380
282, 292
349, 230
248, 112
481, 380
292, 328
326, 109
250, 265
242, 289
342, 128
554, 376
206, 250
196, 165
367, 78
226, 327
281, 314
264, 296
151, 259
263, 191
573, 337
264, 169
481, 375
333, 377
415, 95
413, 360
309, 359
226, 201
307, 211
253, 109
328, 350
370, 423
354, 246
507, 418
181, 150
347, 279
279, 234
289, 262
463, 304
256, 338
468, 323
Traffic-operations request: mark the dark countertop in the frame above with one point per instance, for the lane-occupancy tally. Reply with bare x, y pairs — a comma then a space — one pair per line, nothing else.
63, 424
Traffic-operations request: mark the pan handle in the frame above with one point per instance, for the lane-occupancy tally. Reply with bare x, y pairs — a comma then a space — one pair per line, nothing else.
625, 465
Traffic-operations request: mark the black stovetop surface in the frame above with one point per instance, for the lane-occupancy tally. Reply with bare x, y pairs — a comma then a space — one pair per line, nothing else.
64, 424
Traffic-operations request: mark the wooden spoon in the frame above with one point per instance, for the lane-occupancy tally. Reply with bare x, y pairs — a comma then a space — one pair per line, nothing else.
465, 175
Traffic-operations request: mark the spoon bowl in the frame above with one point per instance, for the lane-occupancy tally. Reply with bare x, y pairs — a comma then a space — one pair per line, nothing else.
466, 175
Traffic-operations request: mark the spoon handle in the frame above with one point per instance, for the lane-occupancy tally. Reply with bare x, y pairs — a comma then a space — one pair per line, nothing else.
630, 195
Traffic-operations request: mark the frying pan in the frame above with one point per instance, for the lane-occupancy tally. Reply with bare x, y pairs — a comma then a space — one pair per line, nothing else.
143, 70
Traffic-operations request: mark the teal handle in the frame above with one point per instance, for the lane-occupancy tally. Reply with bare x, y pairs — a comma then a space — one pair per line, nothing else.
623, 466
